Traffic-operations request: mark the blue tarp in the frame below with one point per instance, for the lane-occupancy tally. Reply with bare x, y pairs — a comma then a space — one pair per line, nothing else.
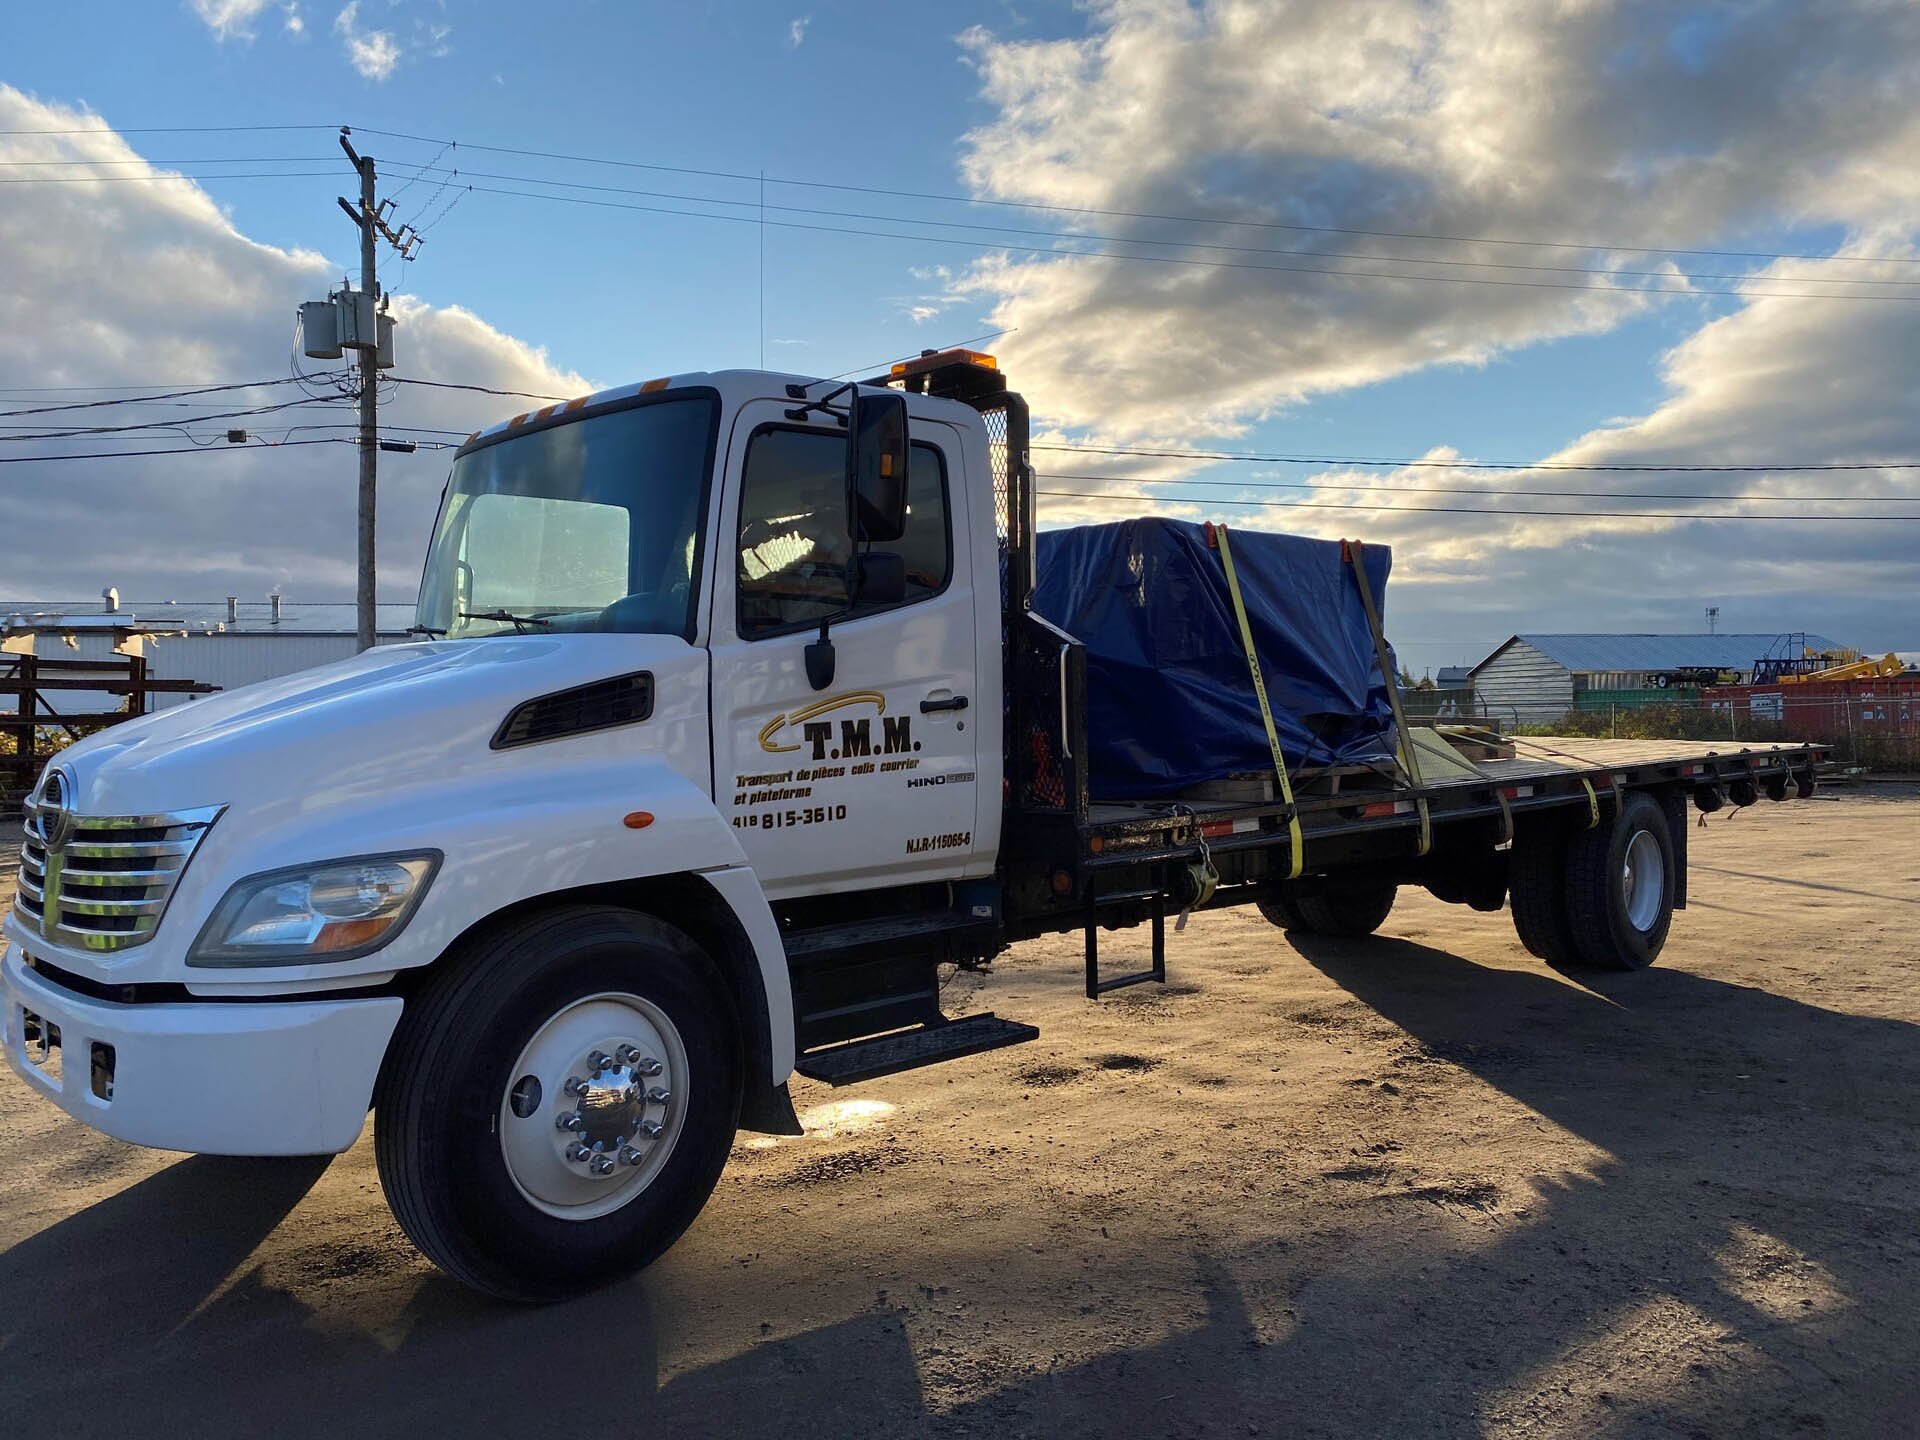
1170, 703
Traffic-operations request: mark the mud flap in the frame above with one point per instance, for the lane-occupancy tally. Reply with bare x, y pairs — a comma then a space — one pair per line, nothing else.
1673, 804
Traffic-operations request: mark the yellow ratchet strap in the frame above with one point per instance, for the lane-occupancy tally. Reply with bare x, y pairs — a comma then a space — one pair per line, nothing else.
1296, 846
1354, 554
1593, 804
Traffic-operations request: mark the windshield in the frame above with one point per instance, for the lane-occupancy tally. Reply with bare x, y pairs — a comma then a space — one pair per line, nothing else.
593, 524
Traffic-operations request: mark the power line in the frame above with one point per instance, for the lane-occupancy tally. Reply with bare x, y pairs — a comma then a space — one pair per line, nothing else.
141, 399
1475, 490
1141, 214
174, 424
162, 175
422, 225
481, 389
201, 160
943, 198
1421, 463
144, 385
1457, 510
1597, 271
190, 450
1187, 244
1186, 261
104, 129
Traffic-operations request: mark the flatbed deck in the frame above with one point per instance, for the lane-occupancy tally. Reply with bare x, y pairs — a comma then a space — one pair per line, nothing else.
1547, 771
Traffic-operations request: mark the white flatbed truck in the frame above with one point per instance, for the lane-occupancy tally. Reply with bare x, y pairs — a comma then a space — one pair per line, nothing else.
731, 724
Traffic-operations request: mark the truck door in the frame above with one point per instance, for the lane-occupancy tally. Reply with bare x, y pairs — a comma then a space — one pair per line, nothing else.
871, 780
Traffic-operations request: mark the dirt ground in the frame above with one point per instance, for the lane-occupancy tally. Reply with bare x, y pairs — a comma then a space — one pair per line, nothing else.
1408, 1187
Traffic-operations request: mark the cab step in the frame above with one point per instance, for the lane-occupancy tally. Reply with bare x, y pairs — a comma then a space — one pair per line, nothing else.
910, 1049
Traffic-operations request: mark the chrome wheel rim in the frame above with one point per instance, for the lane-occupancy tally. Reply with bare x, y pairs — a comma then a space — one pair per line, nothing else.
594, 1105
1643, 880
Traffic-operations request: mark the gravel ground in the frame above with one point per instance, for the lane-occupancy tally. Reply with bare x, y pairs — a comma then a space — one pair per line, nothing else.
1409, 1187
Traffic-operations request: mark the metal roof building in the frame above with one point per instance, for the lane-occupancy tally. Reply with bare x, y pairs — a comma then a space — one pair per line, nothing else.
1542, 677
225, 643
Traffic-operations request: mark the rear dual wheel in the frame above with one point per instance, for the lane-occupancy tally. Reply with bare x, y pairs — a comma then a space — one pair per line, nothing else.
1620, 887
1600, 898
556, 1109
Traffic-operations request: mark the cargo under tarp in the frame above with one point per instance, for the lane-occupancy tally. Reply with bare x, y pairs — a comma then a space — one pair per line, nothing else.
1170, 702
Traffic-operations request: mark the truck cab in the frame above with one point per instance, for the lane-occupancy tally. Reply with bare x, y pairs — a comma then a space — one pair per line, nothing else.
667, 680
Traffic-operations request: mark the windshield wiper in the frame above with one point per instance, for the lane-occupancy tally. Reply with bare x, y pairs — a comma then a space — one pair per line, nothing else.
423, 630
519, 622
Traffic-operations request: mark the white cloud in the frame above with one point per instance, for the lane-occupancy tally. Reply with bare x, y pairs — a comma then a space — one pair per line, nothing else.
146, 282
374, 53
293, 22
797, 31
1676, 125
229, 19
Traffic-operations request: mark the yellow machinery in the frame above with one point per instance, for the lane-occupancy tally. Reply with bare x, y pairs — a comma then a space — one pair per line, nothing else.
1886, 666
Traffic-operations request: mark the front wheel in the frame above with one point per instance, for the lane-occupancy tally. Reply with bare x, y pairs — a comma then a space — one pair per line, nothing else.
557, 1109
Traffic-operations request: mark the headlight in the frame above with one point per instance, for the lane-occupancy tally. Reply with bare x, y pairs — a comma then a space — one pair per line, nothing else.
315, 913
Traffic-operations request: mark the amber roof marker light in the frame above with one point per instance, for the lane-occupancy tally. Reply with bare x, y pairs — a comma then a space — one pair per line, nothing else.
939, 360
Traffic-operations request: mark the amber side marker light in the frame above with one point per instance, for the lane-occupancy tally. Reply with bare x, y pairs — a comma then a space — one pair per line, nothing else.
638, 820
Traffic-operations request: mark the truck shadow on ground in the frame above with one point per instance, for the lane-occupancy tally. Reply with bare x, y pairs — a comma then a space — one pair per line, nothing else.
1759, 1163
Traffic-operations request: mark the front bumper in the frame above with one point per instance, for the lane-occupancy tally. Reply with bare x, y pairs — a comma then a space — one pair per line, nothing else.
212, 1077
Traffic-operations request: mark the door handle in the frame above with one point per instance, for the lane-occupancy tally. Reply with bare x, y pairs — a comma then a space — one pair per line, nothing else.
952, 702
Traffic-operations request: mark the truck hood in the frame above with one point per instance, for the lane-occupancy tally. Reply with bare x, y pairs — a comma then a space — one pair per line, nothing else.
346, 732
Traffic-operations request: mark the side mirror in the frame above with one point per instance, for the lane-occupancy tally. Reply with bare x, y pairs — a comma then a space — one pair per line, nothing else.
877, 458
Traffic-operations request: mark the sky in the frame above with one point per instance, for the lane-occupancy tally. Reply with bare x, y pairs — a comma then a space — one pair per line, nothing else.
1433, 234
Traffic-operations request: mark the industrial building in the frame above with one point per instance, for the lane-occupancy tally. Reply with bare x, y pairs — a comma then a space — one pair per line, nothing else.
225, 644
1542, 677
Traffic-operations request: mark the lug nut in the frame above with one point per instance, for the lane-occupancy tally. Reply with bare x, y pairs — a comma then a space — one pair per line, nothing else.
649, 1067
601, 1165
627, 1055
658, 1096
577, 1152
575, 1085
569, 1121
651, 1129
630, 1156
598, 1060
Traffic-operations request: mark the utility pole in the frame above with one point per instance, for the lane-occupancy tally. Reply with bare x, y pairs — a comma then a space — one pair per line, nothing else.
369, 407
354, 319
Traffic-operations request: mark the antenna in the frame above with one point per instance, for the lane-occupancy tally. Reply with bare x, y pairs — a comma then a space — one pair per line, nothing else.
1713, 619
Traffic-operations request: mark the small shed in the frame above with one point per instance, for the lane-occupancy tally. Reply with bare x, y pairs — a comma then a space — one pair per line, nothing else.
1542, 677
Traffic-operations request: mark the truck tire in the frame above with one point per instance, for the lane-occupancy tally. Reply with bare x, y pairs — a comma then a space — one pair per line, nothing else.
1620, 887
596, 1018
1348, 911
1278, 907
1537, 887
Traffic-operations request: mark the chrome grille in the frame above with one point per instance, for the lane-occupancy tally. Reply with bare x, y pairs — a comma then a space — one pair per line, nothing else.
100, 882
